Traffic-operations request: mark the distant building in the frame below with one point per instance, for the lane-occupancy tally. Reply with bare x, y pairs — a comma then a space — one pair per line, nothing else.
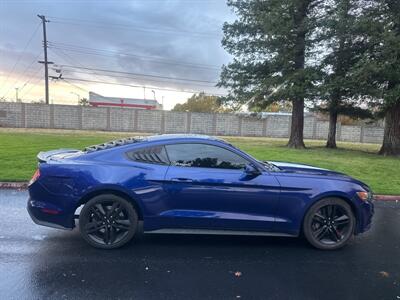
101, 101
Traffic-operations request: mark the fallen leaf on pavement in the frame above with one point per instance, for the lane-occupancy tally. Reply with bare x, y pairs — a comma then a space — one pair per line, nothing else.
384, 274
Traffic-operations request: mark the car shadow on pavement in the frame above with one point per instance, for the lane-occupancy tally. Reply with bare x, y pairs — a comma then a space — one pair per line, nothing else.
160, 266
66, 265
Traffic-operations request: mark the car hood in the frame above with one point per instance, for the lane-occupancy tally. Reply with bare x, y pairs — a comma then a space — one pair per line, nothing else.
304, 169
300, 169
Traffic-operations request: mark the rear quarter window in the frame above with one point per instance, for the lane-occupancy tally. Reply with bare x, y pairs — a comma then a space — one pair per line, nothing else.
153, 155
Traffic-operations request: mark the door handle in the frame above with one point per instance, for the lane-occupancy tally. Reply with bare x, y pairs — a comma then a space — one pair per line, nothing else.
181, 180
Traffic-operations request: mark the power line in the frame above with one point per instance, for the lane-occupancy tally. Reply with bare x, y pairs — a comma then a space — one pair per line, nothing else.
132, 27
30, 78
75, 86
114, 74
69, 58
21, 75
140, 74
111, 53
20, 55
137, 78
137, 86
39, 79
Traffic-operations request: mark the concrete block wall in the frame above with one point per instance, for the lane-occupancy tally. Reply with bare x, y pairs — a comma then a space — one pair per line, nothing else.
122, 120
321, 131
309, 127
94, 118
175, 122
202, 123
12, 114
26, 115
252, 127
37, 116
372, 135
278, 126
228, 124
149, 120
67, 116
350, 133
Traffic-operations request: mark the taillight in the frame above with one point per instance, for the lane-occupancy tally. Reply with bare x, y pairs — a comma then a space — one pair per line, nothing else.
35, 177
50, 211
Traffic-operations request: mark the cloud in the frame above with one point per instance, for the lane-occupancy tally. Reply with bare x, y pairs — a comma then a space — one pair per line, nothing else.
138, 36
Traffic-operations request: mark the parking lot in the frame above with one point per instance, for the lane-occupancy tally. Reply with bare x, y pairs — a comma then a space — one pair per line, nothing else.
44, 263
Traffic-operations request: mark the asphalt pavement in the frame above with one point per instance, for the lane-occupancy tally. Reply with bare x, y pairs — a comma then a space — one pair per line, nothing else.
43, 263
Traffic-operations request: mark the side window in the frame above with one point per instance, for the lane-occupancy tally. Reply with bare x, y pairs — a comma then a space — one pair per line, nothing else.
153, 155
204, 156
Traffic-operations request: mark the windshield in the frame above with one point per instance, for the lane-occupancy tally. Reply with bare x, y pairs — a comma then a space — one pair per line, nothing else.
269, 166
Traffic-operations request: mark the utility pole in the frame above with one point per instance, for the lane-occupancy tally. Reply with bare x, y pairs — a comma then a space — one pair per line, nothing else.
45, 62
16, 94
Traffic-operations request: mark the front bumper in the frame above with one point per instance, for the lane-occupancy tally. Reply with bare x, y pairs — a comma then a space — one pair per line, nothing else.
366, 213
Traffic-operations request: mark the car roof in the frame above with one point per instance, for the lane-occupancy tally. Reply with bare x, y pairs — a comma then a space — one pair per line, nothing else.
153, 138
168, 137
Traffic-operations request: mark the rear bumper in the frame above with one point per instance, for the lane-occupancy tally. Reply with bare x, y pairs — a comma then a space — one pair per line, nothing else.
50, 207
59, 221
35, 215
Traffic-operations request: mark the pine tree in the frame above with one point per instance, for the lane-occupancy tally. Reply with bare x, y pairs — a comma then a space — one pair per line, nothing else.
378, 73
339, 35
270, 42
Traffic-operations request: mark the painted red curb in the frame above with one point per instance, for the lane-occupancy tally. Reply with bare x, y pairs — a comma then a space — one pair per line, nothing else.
387, 198
14, 185
24, 185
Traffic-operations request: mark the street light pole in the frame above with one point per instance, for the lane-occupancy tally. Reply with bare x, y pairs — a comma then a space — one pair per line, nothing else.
76, 94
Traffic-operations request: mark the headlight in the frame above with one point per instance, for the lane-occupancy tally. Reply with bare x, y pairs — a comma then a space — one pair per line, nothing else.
364, 196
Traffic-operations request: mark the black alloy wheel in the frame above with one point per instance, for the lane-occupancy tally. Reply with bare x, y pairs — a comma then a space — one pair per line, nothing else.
108, 221
329, 224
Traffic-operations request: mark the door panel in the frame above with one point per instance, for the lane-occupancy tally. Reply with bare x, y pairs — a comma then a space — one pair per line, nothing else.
215, 198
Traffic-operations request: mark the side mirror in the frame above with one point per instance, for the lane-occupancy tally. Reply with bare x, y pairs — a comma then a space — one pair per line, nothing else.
251, 170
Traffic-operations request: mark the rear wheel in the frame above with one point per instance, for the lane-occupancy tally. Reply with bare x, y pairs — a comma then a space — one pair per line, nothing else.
329, 224
108, 221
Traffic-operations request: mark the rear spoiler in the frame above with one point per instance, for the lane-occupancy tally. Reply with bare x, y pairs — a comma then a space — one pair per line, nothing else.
44, 156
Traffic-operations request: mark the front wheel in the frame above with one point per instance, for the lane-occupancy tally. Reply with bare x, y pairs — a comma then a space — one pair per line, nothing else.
108, 221
329, 224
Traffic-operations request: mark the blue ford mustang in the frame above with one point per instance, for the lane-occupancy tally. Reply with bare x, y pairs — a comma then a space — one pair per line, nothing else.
193, 184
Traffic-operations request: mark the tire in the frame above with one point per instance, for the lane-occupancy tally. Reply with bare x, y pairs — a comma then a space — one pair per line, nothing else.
329, 224
108, 221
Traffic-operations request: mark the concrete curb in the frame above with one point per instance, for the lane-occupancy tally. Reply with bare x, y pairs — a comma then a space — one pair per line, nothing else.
24, 185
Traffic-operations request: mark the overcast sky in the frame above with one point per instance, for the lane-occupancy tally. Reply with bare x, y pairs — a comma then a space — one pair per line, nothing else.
171, 38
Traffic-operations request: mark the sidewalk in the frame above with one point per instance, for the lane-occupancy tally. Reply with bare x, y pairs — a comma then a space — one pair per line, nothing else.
24, 185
